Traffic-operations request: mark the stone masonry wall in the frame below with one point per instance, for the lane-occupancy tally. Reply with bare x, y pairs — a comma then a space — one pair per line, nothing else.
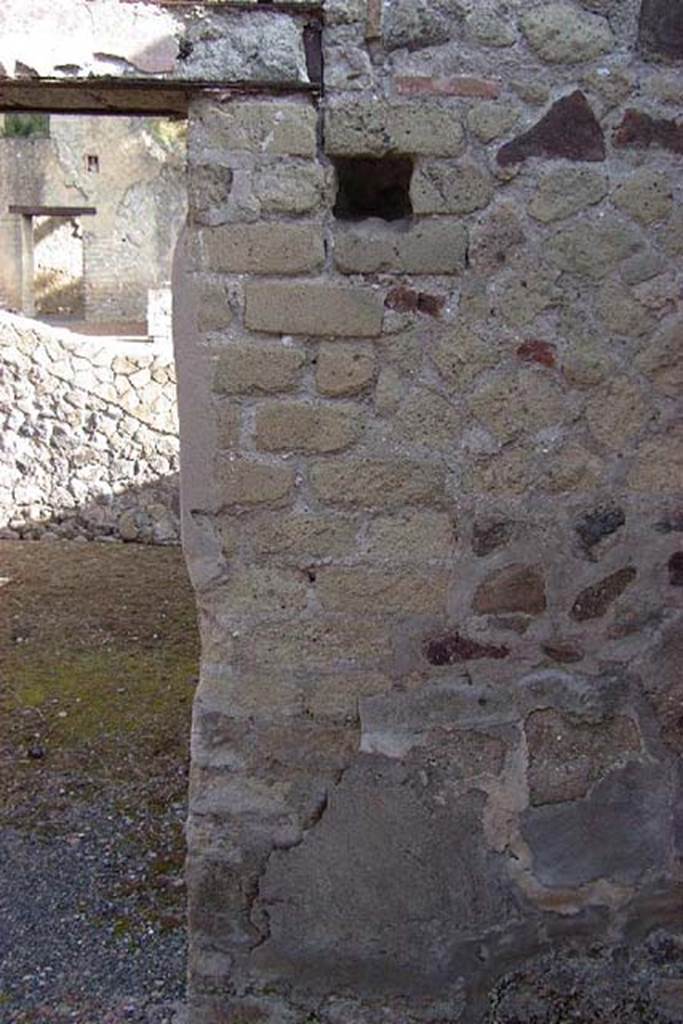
432, 475
89, 439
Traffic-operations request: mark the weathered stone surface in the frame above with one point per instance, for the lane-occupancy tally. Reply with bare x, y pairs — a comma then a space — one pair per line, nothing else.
658, 465
419, 23
593, 250
344, 369
411, 537
527, 293
279, 129
567, 755
563, 652
524, 403
425, 418
587, 985
451, 648
596, 600
450, 188
494, 239
601, 522
307, 426
562, 35
244, 482
488, 121
661, 360
517, 588
215, 313
566, 191
660, 30
368, 483
675, 567
616, 413
622, 313
569, 130
613, 84
489, 29
263, 249
290, 188
646, 195
535, 350
445, 866
435, 246
625, 819
257, 367
373, 128
303, 535
313, 308
384, 592
489, 535
90, 437
227, 425
641, 130
460, 355
264, 592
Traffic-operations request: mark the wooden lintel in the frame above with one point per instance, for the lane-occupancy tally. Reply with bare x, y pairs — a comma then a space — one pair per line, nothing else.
127, 97
54, 211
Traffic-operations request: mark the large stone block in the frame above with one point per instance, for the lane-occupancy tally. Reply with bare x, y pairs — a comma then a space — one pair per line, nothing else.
444, 187
344, 369
565, 191
307, 426
411, 537
560, 34
267, 248
246, 482
259, 126
646, 195
257, 367
295, 187
313, 308
433, 246
385, 592
375, 128
593, 249
303, 536
373, 483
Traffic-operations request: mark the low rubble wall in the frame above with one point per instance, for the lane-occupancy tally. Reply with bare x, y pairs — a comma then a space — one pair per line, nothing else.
89, 445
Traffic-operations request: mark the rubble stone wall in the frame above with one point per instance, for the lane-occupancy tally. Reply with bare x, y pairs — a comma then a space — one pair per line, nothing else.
89, 439
433, 514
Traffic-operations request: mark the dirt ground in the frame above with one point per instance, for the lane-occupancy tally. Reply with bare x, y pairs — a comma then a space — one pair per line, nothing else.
98, 662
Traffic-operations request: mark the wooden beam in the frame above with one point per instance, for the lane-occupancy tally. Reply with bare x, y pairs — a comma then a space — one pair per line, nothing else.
54, 211
127, 97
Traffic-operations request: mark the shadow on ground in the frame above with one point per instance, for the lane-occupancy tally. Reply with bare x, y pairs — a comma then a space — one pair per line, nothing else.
98, 661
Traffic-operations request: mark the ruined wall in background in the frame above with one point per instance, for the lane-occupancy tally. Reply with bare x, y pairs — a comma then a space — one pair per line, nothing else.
433, 513
88, 438
132, 171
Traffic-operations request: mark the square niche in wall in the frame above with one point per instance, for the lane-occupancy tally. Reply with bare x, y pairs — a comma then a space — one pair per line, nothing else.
373, 187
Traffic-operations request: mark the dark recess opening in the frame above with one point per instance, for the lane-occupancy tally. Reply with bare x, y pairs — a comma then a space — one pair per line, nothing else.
373, 187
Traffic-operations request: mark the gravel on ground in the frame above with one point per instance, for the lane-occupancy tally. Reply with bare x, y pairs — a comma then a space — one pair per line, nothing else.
98, 661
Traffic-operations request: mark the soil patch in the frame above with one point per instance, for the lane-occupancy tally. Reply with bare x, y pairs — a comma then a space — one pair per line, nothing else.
98, 663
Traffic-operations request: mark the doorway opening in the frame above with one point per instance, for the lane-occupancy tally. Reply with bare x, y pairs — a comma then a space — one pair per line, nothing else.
98, 645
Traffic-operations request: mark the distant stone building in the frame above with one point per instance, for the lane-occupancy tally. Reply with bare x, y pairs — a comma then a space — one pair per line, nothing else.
97, 267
